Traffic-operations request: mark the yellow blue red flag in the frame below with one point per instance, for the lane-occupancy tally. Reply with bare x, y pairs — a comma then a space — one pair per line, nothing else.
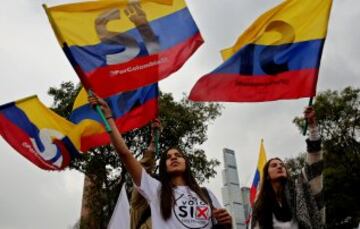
51, 142
131, 109
39, 134
258, 173
122, 45
277, 57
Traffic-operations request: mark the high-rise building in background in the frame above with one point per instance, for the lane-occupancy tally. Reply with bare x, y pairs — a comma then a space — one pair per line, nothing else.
231, 192
245, 193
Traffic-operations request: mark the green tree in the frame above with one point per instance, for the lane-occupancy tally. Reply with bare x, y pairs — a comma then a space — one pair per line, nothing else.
294, 165
185, 124
338, 115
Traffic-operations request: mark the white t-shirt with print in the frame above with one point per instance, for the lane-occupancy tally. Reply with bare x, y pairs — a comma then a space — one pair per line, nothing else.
189, 210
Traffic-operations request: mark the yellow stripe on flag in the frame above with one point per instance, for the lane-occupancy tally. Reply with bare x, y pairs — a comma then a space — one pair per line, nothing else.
81, 99
36, 111
76, 22
44, 118
291, 21
262, 159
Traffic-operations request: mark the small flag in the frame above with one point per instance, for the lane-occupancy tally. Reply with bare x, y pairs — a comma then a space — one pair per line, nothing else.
277, 57
258, 173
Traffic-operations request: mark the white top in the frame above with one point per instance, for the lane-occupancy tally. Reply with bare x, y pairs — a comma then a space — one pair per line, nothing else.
284, 225
292, 224
189, 210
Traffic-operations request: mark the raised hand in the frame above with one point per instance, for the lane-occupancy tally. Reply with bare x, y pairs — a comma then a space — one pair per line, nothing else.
222, 216
155, 124
136, 14
310, 115
95, 100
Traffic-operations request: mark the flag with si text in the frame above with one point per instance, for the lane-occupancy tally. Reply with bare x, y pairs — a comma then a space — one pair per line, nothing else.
122, 45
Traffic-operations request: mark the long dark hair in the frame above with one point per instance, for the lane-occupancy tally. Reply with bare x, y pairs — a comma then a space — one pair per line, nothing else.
167, 199
266, 203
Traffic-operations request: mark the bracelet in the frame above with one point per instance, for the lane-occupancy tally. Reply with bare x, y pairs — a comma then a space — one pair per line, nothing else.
109, 117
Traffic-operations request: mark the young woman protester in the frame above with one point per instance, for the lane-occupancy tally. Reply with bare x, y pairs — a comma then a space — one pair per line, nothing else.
286, 204
176, 200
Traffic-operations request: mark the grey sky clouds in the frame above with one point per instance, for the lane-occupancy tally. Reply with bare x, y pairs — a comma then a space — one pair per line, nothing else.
31, 61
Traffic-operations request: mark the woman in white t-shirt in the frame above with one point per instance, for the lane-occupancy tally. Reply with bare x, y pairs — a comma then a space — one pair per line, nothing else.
176, 200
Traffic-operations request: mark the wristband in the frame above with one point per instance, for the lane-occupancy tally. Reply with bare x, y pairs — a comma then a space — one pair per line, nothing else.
109, 117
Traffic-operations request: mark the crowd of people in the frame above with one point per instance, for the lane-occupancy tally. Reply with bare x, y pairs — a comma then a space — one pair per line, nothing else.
174, 199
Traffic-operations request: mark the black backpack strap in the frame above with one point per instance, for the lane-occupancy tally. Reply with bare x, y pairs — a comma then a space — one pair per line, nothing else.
206, 192
215, 225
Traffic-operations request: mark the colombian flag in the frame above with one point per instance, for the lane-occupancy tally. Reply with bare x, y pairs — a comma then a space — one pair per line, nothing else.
131, 110
39, 134
122, 45
277, 57
258, 173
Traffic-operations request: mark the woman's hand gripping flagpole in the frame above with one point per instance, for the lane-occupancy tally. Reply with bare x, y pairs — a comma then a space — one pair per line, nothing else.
104, 112
155, 134
306, 121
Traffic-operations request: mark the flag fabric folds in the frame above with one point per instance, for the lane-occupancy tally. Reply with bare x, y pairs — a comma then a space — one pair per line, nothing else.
258, 173
121, 45
50, 141
120, 219
277, 57
132, 109
37, 133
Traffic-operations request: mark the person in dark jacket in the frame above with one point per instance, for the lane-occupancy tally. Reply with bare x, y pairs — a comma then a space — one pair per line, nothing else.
286, 204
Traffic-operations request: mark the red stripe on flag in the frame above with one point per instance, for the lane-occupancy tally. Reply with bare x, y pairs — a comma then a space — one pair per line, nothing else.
238, 88
253, 191
109, 80
21, 142
139, 116
136, 118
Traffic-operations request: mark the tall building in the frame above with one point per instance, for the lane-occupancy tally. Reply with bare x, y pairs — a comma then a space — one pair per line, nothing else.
231, 193
245, 193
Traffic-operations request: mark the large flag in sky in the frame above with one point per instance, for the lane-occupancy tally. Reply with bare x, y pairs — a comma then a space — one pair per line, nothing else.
39, 134
258, 173
132, 109
277, 57
122, 45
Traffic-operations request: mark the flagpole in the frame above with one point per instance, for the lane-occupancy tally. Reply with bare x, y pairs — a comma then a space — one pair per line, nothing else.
102, 116
306, 122
156, 138
76, 67
157, 148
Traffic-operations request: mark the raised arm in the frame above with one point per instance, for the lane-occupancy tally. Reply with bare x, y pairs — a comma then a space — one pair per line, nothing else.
148, 159
314, 164
132, 165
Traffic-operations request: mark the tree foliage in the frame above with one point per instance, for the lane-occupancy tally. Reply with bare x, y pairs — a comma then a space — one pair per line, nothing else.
338, 115
294, 165
184, 124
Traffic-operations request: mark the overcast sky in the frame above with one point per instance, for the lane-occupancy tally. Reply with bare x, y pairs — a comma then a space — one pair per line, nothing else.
31, 61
